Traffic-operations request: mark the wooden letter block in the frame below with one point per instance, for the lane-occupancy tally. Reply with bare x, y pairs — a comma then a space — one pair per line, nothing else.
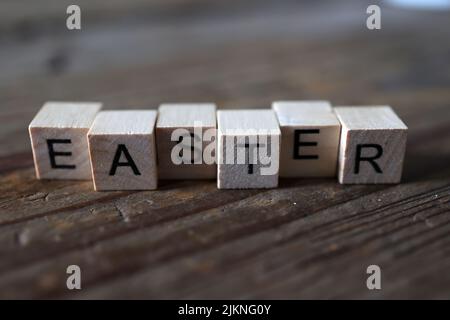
186, 141
303, 105
123, 151
309, 138
373, 142
58, 136
248, 149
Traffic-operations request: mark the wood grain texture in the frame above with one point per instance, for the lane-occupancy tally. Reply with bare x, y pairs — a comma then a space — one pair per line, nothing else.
248, 149
308, 238
184, 132
310, 134
122, 150
372, 147
58, 135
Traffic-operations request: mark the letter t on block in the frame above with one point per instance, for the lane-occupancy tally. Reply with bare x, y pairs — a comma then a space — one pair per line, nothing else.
58, 136
181, 143
123, 151
373, 142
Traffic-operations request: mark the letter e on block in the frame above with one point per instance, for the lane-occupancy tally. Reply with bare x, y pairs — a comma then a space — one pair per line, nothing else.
372, 148
58, 136
123, 151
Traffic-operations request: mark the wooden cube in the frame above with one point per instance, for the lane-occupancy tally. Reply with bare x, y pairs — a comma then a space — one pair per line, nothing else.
248, 149
122, 149
303, 105
372, 148
186, 141
309, 139
58, 136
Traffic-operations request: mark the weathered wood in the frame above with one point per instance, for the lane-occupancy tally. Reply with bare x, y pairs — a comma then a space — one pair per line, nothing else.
310, 134
248, 149
309, 238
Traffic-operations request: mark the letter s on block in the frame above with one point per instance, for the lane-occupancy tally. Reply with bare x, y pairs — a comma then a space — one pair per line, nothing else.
74, 280
374, 280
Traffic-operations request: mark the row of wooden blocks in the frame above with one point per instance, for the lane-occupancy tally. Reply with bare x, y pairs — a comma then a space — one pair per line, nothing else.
131, 150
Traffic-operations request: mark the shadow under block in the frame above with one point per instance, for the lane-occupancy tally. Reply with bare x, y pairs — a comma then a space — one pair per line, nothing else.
248, 149
184, 133
309, 139
123, 152
58, 136
373, 142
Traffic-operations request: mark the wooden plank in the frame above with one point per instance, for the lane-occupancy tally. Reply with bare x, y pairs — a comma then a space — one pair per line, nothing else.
309, 138
122, 150
58, 136
183, 133
248, 149
372, 147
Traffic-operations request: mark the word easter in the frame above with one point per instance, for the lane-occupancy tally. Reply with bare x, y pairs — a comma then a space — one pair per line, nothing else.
131, 150
73, 21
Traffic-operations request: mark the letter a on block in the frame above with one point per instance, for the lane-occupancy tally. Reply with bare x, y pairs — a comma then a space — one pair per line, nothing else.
58, 136
248, 149
373, 142
123, 151
309, 138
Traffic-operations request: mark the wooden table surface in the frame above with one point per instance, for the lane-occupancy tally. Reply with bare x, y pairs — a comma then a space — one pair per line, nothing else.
309, 238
